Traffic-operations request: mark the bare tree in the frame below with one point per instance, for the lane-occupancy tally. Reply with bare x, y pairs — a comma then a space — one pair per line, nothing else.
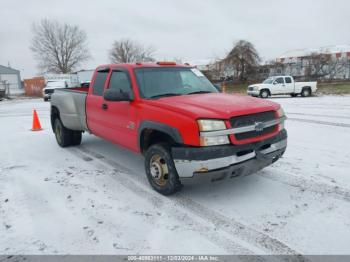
317, 65
129, 51
244, 58
59, 48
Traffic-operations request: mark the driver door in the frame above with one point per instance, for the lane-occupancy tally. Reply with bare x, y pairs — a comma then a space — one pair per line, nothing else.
120, 116
278, 86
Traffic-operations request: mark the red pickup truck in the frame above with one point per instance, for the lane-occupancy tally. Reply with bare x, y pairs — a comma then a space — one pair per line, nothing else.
185, 128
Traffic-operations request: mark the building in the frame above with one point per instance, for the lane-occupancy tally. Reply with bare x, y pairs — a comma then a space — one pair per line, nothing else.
329, 62
84, 76
215, 70
10, 77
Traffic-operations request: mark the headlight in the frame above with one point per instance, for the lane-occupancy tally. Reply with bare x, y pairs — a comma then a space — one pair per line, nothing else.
211, 125
280, 112
207, 125
214, 140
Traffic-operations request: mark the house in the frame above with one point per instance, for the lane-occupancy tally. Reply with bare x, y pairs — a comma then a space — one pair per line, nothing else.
10, 77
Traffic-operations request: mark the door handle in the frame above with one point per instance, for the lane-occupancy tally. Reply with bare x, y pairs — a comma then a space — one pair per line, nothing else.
104, 106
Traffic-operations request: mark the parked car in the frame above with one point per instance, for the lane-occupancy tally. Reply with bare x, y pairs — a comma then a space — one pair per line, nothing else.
282, 85
185, 128
50, 88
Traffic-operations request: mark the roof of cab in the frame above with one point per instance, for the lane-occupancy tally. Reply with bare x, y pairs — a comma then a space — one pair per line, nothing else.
143, 64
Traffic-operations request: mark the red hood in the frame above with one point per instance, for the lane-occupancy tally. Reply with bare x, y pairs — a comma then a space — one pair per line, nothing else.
214, 105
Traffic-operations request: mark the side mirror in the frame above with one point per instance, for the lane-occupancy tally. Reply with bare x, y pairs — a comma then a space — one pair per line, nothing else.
218, 87
275, 83
115, 95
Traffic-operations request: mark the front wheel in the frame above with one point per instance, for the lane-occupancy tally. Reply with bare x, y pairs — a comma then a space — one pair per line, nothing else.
264, 93
161, 171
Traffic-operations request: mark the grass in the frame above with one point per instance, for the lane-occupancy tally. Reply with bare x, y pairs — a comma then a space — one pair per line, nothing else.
338, 88
334, 88
236, 88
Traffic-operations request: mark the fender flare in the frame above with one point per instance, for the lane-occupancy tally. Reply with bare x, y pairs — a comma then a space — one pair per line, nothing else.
169, 130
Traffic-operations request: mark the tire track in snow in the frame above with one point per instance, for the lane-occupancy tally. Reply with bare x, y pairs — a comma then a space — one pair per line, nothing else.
234, 228
317, 115
319, 122
159, 202
306, 184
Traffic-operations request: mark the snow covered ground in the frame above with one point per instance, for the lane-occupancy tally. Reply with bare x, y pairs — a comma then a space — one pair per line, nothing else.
95, 199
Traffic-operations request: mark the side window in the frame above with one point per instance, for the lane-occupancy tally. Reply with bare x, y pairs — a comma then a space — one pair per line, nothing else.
288, 80
279, 80
99, 83
120, 81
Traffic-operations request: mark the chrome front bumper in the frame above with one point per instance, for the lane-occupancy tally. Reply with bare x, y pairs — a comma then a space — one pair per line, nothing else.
187, 168
195, 163
253, 92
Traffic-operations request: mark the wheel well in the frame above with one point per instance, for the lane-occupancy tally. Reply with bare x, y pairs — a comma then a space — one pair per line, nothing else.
265, 89
306, 87
150, 137
55, 113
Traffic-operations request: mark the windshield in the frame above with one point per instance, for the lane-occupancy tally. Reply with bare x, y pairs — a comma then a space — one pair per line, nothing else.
158, 82
269, 80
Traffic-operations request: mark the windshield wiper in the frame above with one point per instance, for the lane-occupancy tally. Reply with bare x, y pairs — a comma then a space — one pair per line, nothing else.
199, 92
165, 95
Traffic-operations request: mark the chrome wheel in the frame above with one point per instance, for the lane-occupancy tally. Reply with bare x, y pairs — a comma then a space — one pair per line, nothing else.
159, 170
264, 94
58, 133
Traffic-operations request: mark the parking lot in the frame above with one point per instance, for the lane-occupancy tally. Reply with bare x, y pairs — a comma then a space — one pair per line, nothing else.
95, 198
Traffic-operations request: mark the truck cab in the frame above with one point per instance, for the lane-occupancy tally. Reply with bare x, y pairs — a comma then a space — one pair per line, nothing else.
184, 127
282, 85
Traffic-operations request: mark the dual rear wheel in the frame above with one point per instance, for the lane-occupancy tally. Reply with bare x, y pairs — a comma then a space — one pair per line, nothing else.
160, 168
66, 137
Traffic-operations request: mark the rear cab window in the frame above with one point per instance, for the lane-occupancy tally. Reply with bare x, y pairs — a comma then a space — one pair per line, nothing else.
99, 82
288, 80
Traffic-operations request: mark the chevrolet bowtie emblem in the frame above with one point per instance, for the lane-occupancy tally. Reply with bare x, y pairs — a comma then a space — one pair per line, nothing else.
259, 126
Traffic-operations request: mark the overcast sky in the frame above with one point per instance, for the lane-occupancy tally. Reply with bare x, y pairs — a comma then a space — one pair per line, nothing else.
186, 29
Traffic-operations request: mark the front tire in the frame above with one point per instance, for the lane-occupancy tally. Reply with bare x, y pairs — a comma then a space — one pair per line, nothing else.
161, 171
264, 93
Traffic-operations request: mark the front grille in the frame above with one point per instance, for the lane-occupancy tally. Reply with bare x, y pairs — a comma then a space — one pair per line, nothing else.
248, 120
49, 91
250, 88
